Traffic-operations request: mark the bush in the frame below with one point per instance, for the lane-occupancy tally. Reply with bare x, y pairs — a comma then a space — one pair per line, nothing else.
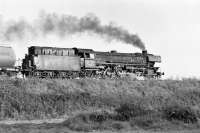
146, 121
127, 111
181, 113
89, 121
99, 116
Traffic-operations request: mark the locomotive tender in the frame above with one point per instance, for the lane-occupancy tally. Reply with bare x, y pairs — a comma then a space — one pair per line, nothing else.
56, 62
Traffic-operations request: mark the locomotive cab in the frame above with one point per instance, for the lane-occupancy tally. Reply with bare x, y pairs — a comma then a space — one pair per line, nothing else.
87, 58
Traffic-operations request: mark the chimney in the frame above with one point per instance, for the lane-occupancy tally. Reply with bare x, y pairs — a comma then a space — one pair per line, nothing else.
113, 51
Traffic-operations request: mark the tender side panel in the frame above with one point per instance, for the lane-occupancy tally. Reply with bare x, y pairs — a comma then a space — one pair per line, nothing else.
58, 51
34, 50
62, 63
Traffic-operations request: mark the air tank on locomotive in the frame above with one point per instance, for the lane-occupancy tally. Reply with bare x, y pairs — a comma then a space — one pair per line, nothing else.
7, 57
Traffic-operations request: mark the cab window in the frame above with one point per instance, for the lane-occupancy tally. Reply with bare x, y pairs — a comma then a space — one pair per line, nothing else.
87, 55
92, 56
81, 55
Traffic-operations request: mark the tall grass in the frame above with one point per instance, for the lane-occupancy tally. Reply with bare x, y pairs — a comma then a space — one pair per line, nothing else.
53, 98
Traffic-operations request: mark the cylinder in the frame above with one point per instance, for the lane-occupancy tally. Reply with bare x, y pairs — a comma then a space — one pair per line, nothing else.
7, 57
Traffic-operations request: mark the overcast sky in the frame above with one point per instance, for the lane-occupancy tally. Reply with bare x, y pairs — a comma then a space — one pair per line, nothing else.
169, 28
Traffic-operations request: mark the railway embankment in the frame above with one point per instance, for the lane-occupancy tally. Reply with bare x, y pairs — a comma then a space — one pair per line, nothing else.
105, 104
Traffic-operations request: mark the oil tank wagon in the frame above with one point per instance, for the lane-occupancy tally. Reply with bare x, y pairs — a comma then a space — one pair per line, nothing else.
7, 60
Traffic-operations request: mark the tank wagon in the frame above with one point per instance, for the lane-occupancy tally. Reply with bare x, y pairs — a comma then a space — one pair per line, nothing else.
56, 62
7, 61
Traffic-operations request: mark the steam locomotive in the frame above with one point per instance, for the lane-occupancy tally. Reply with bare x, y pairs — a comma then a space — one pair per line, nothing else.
53, 62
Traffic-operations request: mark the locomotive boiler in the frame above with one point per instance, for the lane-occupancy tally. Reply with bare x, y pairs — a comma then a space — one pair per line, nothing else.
76, 62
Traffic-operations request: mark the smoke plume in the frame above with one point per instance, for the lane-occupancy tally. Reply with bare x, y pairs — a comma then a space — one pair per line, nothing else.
63, 25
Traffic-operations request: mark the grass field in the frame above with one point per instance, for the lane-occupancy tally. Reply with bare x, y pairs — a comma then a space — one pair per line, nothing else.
52, 128
102, 105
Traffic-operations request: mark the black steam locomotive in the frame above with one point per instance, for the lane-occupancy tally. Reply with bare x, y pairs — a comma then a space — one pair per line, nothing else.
56, 62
